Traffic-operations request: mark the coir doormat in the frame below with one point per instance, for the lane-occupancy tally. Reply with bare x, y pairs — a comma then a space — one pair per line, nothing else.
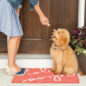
44, 75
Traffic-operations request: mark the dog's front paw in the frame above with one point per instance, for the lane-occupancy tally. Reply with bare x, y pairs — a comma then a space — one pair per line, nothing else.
52, 70
56, 72
64, 73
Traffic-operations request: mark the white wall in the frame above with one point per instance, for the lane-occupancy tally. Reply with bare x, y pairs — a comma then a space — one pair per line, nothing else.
81, 13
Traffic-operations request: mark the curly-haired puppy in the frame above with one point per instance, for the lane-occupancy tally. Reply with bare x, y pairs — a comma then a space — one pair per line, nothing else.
64, 58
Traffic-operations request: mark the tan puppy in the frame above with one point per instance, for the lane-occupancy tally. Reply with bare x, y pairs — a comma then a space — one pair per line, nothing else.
64, 58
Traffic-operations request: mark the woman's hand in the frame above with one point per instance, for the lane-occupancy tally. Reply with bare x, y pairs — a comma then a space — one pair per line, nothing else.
18, 11
44, 20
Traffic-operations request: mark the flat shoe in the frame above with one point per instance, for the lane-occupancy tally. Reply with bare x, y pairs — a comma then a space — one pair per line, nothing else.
11, 73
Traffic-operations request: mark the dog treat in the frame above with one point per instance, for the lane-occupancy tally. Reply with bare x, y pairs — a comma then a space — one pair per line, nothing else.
48, 25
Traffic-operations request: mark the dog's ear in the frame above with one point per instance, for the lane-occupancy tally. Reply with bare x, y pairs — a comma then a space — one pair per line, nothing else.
63, 41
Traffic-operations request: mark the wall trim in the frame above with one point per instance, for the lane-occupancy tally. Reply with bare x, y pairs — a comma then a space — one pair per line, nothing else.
29, 63
81, 13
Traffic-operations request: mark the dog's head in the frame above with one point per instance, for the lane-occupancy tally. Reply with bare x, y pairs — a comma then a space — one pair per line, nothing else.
61, 37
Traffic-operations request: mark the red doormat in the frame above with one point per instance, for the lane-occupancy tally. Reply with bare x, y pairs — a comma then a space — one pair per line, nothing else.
43, 75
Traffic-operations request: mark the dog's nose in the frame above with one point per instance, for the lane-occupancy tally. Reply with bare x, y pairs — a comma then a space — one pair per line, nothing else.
53, 36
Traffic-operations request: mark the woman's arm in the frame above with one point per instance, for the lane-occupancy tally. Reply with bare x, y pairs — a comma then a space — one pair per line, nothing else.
19, 6
18, 11
34, 4
44, 20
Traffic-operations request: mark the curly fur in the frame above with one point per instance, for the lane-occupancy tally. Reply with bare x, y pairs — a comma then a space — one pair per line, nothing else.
64, 58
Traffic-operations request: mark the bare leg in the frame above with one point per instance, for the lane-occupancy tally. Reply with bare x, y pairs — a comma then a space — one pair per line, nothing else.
13, 45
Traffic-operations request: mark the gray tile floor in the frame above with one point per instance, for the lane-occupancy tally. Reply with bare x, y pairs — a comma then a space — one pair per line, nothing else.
6, 81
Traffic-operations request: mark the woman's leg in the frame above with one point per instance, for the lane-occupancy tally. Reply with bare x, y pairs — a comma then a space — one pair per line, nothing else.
13, 45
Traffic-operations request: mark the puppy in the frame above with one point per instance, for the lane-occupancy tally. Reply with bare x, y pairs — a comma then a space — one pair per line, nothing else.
64, 58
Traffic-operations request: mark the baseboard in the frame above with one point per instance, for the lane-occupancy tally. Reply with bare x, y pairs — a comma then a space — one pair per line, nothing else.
29, 63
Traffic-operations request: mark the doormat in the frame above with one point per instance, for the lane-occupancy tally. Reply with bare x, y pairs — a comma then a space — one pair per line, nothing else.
44, 75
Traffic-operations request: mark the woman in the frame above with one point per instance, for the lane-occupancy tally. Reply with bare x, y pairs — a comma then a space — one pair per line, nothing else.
10, 26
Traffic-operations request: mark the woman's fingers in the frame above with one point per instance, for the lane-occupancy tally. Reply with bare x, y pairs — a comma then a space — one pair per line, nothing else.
45, 21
